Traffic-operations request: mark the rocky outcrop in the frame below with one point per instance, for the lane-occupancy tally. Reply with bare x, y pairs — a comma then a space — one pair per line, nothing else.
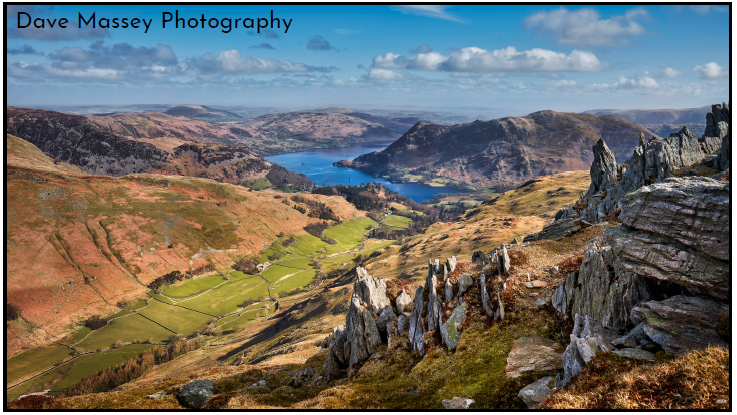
370, 291
416, 332
337, 357
588, 339
387, 315
718, 121
464, 284
535, 393
682, 323
433, 302
362, 332
449, 330
402, 301
558, 229
533, 353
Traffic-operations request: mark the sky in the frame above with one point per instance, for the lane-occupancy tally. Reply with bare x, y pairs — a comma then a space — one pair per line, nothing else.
519, 57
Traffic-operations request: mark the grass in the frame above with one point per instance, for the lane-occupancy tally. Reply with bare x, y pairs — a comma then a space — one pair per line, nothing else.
228, 297
127, 329
251, 313
696, 380
35, 360
67, 375
189, 288
78, 335
397, 221
348, 235
298, 280
257, 184
175, 318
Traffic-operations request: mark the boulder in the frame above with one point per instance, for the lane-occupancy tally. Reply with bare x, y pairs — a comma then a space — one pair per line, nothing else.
402, 325
370, 291
457, 403
450, 265
416, 332
535, 393
260, 384
464, 283
635, 354
402, 301
557, 230
478, 257
449, 330
717, 121
681, 323
337, 357
362, 332
634, 338
694, 211
504, 263
194, 394
588, 339
533, 353
387, 315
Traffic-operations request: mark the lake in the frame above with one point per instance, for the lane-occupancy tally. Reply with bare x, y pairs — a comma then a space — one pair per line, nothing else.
319, 168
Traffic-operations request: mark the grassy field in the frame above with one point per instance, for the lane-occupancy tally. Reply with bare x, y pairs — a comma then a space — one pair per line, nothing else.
175, 318
228, 297
348, 234
187, 288
304, 244
72, 372
34, 360
333, 263
80, 334
249, 314
397, 221
257, 184
127, 329
295, 279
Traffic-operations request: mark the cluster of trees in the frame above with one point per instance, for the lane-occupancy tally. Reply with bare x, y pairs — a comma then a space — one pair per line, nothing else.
174, 276
110, 378
95, 322
11, 312
317, 210
282, 178
365, 197
246, 266
316, 229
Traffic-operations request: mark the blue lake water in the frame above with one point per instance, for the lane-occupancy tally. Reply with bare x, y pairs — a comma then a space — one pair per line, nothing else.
319, 168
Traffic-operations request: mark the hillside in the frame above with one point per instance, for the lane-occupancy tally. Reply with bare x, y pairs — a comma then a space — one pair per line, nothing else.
203, 113
659, 116
500, 153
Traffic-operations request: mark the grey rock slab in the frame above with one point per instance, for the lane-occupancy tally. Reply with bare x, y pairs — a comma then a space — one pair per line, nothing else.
533, 353
636, 354
387, 315
416, 332
535, 393
402, 301
449, 330
260, 384
362, 332
371, 291
457, 403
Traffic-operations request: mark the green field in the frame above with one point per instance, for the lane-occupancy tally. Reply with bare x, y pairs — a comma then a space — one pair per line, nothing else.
257, 184
228, 297
397, 221
295, 279
67, 375
333, 263
126, 329
35, 360
188, 288
175, 318
79, 335
304, 244
249, 314
348, 234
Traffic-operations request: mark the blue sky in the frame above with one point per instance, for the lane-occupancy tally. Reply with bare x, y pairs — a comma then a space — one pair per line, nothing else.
525, 58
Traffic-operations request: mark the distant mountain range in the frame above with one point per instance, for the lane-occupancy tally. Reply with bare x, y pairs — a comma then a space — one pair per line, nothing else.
500, 153
663, 121
203, 113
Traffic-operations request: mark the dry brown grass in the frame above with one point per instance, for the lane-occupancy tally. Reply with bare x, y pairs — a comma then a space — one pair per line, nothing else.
697, 380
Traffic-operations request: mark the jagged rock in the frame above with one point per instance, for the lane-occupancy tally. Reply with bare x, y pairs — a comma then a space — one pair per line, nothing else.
402, 301
637, 354
436, 266
533, 353
402, 323
717, 121
485, 300
371, 291
723, 160
362, 331
457, 403
464, 283
635, 337
337, 356
194, 394
663, 258
535, 393
587, 340
478, 257
536, 284
694, 211
504, 263
449, 330
499, 313
387, 315
557, 230
681, 323
260, 384
563, 295
450, 265
392, 332
603, 170
448, 290
157, 395
416, 331
433, 305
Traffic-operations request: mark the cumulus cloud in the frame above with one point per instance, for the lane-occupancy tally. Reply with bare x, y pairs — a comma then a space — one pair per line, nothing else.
434, 11
585, 27
708, 8
24, 50
474, 59
55, 34
711, 71
263, 46
319, 43
423, 48
671, 73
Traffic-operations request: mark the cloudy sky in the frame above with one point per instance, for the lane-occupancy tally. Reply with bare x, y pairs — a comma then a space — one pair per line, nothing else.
566, 58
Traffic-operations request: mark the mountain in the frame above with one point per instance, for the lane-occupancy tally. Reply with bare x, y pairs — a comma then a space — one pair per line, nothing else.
203, 113
500, 153
659, 116
101, 149
399, 125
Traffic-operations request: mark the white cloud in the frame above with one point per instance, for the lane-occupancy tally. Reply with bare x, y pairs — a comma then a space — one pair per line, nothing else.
711, 71
708, 8
435, 11
671, 73
585, 27
388, 75
474, 59
637, 81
